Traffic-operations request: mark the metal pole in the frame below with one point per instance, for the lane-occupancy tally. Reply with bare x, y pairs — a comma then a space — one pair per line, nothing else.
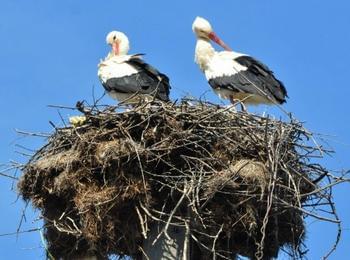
164, 249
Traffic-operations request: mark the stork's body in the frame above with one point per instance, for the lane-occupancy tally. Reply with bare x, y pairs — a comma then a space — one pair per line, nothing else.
233, 75
128, 78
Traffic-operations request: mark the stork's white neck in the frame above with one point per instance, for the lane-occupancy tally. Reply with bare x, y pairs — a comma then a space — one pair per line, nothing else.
203, 53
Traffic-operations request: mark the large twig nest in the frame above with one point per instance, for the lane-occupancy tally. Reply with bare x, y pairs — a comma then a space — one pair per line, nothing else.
237, 181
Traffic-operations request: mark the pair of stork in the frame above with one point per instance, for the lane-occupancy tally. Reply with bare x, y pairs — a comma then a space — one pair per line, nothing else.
233, 76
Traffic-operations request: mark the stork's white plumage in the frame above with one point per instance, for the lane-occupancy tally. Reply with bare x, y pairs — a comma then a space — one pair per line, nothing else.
128, 78
232, 75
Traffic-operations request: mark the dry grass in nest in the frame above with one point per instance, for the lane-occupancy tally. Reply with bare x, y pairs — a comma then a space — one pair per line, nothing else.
239, 182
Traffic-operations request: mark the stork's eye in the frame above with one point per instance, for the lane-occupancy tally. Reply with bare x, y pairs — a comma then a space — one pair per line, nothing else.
114, 37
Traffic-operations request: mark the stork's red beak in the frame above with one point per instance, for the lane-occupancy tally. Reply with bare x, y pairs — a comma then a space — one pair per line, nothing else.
115, 47
216, 39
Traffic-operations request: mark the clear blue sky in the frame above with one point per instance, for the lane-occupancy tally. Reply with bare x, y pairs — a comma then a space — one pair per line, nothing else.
49, 51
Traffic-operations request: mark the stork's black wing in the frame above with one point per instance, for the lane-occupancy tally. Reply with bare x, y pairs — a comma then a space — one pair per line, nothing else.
262, 77
147, 80
150, 79
257, 79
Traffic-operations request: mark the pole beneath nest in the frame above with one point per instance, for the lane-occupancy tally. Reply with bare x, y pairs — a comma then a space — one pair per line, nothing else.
177, 247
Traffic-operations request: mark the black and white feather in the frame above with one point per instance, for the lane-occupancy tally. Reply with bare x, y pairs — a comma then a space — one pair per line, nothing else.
129, 79
237, 76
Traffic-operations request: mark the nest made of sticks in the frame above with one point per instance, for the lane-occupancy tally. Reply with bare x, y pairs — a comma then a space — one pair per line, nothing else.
238, 183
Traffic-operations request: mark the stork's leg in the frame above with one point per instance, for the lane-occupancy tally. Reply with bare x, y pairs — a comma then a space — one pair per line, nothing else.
237, 101
233, 101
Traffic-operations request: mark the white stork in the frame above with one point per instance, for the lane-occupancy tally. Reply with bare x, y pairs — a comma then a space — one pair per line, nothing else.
232, 75
128, 78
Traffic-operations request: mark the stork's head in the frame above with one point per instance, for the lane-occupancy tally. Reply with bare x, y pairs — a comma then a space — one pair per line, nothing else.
119, 42
203, 29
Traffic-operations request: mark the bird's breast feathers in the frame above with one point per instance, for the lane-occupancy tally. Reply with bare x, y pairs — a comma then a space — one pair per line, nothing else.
223, 64
115, 67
